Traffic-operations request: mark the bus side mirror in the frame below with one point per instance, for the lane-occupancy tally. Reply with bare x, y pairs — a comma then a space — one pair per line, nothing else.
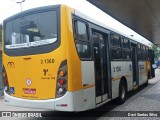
154, 66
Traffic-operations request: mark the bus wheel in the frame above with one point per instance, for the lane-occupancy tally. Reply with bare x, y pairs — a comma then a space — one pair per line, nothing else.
122, 92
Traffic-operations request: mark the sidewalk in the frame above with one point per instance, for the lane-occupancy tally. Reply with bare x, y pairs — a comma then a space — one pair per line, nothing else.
1, 94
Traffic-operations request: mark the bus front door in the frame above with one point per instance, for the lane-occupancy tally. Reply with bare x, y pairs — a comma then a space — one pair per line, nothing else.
100, 62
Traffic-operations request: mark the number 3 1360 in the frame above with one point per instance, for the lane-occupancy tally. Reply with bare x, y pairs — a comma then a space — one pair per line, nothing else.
47, 61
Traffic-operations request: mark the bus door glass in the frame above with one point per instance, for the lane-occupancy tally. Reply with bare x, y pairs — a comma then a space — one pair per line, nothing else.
151, 58
100, 60
135, 64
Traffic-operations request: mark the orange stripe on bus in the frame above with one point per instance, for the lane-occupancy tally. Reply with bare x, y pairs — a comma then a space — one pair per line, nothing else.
128, 75
120, 78
115, 78
88, 86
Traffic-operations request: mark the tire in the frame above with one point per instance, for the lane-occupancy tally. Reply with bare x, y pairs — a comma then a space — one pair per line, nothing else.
122, 92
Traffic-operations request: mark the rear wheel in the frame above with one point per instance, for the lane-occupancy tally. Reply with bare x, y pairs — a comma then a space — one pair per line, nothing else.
122, 92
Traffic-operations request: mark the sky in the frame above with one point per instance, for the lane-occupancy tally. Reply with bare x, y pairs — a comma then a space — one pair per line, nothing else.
10, 7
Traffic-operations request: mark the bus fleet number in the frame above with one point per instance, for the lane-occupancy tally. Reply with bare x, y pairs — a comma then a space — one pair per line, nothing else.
116, 69
47, 61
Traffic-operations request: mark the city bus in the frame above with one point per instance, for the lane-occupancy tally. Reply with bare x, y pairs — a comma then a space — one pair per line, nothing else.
57, 58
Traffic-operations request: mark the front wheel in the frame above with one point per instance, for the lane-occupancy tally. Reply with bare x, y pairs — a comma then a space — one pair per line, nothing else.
122, 93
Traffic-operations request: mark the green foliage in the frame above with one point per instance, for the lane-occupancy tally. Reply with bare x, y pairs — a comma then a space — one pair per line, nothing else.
0, 35
156, 51
0, 32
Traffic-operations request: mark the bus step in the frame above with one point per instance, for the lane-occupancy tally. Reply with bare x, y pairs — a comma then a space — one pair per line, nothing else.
135, 87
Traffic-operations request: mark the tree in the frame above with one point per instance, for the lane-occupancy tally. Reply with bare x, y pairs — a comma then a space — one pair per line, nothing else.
0, 33
156, 51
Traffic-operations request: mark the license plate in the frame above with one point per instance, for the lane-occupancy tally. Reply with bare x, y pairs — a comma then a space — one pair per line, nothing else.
29, 91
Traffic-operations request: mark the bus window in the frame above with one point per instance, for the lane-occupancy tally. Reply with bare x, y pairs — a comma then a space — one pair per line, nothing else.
143, 49
81, 30
126, 55
115, 40
31, 30
126, 43
81, 39
83, 50
139, 56
143, 56
139, 47
17, 38
116, 53
146, 52
143, 53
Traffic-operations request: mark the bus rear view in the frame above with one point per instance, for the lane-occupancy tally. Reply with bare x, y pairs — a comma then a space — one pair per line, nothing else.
58, 58
34, 58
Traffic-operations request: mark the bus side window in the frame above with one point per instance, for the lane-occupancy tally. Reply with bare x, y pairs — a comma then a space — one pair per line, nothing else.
144, 53
82, 39
139, 52
83, 50
147, 54
126, 49
126, 43
116, 51
81, 32
139, 56
126, 55
115, 40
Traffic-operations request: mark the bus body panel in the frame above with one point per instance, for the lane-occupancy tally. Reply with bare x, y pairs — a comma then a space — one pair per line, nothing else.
128, 74
22, 70
121, 69
74, 63
51, 104
79, 82
142, 72
88, 82
84, 99
41, 70
88, 75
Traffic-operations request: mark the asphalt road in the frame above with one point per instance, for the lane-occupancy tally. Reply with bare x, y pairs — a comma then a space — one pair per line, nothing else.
141, 104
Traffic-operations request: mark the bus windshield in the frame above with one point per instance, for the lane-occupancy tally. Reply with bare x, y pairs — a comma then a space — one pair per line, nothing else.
31, 30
